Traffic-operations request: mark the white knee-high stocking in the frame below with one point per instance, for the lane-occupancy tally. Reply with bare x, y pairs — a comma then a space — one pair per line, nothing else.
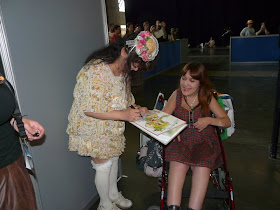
113, 188
102, 182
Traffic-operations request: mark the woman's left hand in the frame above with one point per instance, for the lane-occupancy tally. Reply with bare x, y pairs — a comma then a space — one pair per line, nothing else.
202, 123
32, 128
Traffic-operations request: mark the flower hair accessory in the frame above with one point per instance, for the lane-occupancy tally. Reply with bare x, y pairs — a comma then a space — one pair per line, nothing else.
146, 46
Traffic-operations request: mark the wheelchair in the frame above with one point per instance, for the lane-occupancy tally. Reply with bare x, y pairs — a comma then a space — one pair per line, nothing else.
220, 178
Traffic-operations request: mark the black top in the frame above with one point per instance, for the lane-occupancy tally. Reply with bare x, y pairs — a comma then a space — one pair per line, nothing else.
10, 148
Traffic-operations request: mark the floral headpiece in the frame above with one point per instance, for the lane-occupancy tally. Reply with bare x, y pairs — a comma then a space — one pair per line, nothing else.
146, 46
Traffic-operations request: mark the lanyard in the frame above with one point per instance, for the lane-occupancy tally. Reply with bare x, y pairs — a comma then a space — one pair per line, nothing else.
22, 134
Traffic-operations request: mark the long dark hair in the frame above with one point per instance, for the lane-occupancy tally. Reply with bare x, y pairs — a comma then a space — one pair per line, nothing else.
110, 53
205, 93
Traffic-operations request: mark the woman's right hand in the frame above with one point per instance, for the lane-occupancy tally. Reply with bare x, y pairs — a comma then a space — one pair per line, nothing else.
179, 138
131, 115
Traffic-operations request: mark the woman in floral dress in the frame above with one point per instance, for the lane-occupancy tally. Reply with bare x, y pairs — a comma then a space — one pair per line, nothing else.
102, 100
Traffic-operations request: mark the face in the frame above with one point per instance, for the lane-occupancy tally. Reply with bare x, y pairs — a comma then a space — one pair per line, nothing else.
189, 86
118, 31
111, 28
250, 25
153, 28
146, 27
130, 28
138, 29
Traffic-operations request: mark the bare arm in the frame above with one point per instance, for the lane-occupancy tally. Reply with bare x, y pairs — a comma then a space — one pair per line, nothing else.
221, 119
31, 128
171, 103
126, 115
263, 28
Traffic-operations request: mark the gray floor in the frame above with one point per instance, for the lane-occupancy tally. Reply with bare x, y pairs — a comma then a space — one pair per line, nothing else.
256, 178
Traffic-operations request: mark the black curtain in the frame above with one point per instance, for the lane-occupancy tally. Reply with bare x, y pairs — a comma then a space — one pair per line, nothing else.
198, 20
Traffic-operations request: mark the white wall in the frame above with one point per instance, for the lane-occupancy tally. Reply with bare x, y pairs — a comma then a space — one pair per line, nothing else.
49, 41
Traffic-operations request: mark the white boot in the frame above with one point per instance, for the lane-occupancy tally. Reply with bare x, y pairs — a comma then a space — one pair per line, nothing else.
114, 193
102, 184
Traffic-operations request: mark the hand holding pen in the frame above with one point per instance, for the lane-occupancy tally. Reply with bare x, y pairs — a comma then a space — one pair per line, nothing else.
131, 114
132, 107
141, 109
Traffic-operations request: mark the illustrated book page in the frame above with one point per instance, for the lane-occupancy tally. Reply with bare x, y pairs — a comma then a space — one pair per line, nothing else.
160, 125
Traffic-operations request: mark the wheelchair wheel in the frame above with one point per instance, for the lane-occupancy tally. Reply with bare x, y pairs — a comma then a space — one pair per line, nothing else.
221, 178
220, 181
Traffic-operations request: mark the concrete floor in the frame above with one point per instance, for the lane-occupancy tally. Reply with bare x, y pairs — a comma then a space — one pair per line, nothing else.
256, 178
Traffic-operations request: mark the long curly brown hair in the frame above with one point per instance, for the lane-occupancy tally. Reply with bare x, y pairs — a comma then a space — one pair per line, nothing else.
110, 53
205, 92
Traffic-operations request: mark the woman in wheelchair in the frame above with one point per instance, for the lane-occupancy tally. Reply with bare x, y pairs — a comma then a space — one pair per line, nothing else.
197, 147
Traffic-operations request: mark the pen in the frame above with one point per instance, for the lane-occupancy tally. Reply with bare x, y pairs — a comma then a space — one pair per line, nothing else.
132, 107
36, 134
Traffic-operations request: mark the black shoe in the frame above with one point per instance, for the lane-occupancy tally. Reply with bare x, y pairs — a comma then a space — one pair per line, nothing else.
174, 207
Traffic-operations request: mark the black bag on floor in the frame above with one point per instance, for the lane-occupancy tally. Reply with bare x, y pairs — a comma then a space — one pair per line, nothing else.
149, 158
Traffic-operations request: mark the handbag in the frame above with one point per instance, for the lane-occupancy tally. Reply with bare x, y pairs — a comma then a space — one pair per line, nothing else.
149, 158
22, 134
226, 102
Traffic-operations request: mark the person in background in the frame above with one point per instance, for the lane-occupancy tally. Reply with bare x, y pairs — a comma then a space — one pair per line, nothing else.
176, 33
172, 34
111, 31
163, 28
197, 147
16, 189
102, 103
263, 30
152, 30
161, 33
146, 26
116, 35
158, 25
211, 43
137, 29
249, 30
129, 29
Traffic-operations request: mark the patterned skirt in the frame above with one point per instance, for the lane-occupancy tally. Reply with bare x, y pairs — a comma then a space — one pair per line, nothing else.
196, 148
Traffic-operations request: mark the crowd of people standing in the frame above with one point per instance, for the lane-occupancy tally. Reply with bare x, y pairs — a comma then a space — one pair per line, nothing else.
158, 30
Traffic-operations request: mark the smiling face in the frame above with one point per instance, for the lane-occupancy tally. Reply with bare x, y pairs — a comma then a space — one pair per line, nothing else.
188, 85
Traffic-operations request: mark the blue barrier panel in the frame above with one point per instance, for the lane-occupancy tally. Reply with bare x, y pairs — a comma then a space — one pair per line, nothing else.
169, 55
255, 49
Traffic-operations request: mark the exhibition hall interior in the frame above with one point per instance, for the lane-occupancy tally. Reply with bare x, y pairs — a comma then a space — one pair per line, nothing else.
44, 47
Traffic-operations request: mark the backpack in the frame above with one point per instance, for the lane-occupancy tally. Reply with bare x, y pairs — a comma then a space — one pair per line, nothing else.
149, 158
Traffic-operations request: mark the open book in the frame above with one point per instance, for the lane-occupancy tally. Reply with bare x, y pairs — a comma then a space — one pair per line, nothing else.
159, 125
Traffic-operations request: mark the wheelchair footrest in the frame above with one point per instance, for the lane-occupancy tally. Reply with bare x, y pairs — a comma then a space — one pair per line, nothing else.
210, 194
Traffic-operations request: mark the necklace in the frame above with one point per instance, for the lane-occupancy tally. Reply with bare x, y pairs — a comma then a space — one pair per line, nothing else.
192, 103
191, 112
